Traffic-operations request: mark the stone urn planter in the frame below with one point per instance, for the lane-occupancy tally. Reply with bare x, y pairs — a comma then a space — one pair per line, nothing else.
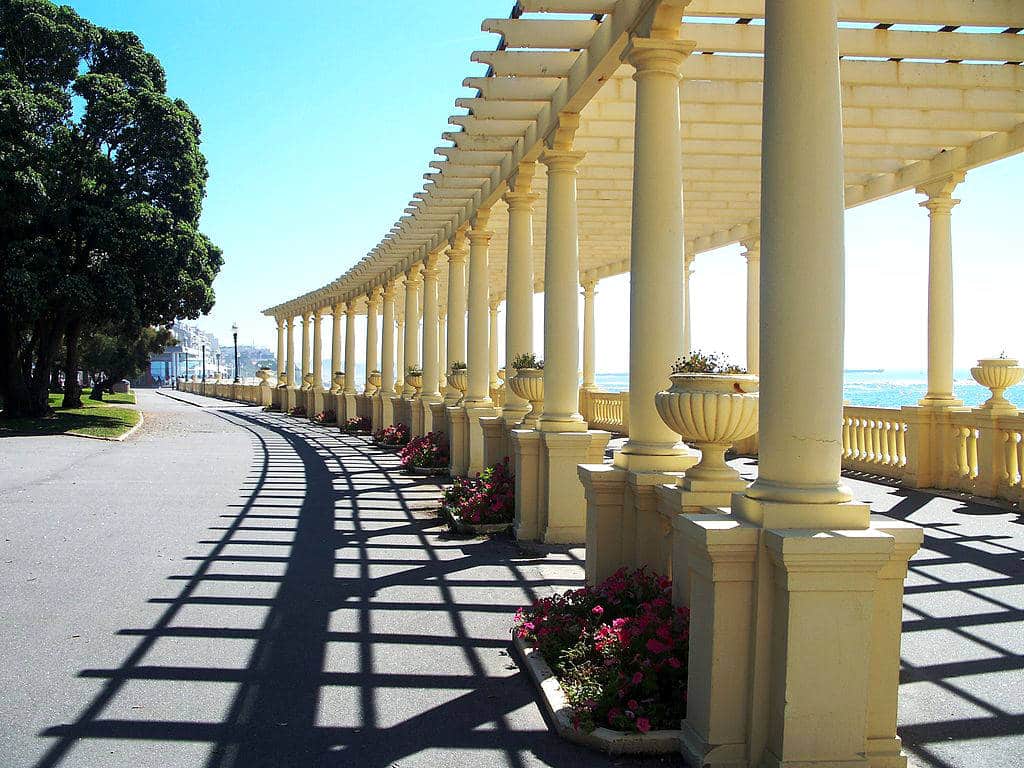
528, 383
711, 411
338, 380
307, 382
373, 382
415, 380
264, 376
281, 379
501, 374
998, 374
459, 378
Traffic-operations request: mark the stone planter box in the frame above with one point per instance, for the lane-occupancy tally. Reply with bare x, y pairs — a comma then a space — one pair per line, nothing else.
604, 739
427, 471
470, 529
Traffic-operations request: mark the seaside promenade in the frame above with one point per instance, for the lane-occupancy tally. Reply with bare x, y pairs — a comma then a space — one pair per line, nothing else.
237, 588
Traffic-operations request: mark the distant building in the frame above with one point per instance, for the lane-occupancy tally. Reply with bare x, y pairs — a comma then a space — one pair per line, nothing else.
186, 358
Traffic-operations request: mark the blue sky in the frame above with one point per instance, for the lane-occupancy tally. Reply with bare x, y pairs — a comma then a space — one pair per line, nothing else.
319, 119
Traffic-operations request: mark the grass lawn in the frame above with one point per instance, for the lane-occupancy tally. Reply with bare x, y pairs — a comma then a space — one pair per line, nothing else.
94, 419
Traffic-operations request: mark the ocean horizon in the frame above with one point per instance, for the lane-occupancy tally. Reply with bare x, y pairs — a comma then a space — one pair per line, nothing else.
878, 388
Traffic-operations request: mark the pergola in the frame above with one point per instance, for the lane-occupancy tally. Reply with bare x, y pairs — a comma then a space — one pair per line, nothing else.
613, 136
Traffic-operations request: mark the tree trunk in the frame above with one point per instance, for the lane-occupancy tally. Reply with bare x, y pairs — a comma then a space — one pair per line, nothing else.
46, 343
72, 390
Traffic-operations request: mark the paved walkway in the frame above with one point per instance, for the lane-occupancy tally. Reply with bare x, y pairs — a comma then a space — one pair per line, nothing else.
237, 589
244, 589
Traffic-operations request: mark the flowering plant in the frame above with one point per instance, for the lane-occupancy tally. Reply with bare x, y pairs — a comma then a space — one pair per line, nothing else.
427, 452
326, 417
356, 424
526, 360
487, 499
396, 434
698, 362
619, 650
298, 410
456, 366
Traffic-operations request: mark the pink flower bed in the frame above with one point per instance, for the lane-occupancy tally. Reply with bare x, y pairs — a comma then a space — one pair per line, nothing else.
487, 499
393, 436
427, 452
619, 651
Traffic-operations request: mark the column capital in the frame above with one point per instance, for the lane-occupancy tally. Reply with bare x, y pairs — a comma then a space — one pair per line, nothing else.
752, 248
940, 189
458, 251
305, 318
350, 309
493, 305
281, 321
430, 268
562, 160
523, 179
374, 296
589, 288
390, 289
520, 201
412, 276
657, 55
338, 309
480, 234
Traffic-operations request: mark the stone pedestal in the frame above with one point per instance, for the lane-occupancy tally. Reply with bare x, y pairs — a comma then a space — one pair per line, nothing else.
438, 417
316, 401
416, 416
266, 395
496, 445
562, 506
291, 398
794, 641
475, 437
526, 450
720, 553
458, 440
607, 531
427, 420
348, 401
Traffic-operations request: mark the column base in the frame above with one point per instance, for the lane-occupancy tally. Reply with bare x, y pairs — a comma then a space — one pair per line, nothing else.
496, 445
416, 416
679, 459
426, 417
291, 399
849, 515
940, 401
439, 418
526, 448
317, 401
562, 507
561, 424
348, 399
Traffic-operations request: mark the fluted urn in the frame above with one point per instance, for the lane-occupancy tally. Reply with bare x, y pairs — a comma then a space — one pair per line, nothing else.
459, 378
337, 382
711, 411
281, 379
372, 382
415, 380
264, 376
528, 383
998, 374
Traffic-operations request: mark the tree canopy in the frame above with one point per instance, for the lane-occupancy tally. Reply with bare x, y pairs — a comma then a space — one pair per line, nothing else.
102, 184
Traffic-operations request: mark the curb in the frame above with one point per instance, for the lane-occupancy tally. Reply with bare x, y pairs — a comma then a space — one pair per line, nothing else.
119, 438
558, 714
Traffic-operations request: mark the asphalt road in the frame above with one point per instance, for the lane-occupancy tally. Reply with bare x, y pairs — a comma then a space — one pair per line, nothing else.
230, 588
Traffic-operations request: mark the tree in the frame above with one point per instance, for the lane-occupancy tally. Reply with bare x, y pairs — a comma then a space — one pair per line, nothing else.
101, 189
122, 354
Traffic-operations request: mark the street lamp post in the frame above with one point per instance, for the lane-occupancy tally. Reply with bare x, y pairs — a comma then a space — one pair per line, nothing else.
204, 362
186, 368
234, 334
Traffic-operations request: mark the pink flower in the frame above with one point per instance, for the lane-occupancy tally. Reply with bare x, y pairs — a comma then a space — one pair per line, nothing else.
597, 610
643, 724
638, 677
674, 662
655, 646
631, 704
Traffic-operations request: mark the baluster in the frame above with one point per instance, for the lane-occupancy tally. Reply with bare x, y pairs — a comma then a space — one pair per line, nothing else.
1010, 457
876, 441
846, 438
892, 458
972, 452
961, 451
858, 438
1020, 462
901, 443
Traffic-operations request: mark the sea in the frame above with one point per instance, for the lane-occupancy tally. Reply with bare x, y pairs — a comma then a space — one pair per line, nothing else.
880, 388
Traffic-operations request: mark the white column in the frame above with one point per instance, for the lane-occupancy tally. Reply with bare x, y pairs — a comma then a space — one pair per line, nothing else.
400, 367
492, 345
372, 305
350, 348
802, 293
387, 340
289, 375
442, 343
657, 272
561, 278
589, 342
477, 353
519, 279
282, 330
431, 368
336, 315
305, 348
940, 204
456, 341
753, 256
316, 363
687, 272
413, 281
